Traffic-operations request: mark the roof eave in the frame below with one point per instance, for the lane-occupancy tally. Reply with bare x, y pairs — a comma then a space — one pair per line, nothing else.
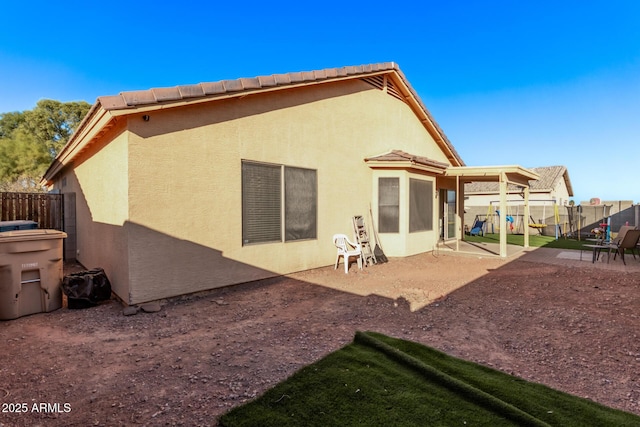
404, 164
567, 182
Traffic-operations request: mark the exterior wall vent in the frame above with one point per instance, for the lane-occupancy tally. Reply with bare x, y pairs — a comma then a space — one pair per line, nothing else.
384, 84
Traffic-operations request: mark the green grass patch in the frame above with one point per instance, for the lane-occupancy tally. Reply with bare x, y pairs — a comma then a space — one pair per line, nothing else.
535, 241
382, 381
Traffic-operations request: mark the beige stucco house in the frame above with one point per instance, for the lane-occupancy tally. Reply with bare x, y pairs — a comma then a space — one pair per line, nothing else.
195, 187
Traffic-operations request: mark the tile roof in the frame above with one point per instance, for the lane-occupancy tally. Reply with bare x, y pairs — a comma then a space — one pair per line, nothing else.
401, 156
126, 102
160, 96
549, 176
139, 98
202, 91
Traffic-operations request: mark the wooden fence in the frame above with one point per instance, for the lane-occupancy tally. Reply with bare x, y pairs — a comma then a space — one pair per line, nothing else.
45, 209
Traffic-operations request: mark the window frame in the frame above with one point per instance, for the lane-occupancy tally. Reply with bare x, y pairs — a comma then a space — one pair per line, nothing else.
384, 209
283, 235
247, 211
415, 205
287, 212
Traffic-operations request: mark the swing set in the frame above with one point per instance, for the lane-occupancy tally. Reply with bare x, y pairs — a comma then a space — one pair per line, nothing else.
517, 224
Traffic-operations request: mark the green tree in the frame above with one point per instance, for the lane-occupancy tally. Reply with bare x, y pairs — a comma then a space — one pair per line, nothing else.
53, 122
30, 140
23, 160
9, 122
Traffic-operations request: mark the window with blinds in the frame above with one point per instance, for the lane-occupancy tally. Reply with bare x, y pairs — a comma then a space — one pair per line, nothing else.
300, 203
261, 203
389, 205
420, 205
264, 215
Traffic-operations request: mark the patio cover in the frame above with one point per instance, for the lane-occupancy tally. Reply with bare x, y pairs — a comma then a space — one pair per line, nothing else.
504, 175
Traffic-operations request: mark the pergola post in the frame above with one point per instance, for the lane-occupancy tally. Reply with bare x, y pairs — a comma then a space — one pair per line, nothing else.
526, 216
503, 215
459, 213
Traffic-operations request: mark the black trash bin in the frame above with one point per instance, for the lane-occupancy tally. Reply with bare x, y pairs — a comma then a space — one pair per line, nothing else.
86, 288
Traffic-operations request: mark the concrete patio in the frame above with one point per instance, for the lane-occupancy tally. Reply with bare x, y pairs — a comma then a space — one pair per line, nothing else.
566, 257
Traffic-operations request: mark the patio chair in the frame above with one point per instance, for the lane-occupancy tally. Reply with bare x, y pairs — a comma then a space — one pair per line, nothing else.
621, 233
344, 246
601, 243
628, 241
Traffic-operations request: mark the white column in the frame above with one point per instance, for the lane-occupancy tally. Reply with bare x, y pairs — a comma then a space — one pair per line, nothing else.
459, 215
503, 215
526, 216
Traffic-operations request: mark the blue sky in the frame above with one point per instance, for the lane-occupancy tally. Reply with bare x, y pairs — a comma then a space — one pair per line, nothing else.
529, 83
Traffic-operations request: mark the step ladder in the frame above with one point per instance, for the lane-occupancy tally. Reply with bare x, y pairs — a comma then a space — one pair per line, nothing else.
362, 238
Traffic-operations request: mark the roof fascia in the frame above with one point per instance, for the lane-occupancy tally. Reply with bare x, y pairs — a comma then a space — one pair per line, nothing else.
567, 182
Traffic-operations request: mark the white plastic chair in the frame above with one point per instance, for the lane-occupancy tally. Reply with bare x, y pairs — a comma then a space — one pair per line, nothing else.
344, 246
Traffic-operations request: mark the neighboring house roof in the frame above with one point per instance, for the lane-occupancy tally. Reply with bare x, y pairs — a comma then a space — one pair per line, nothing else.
104, 113
549, 177
398, 158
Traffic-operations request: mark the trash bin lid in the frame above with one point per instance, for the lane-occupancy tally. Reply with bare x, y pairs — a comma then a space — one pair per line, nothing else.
17, 222
23, 235
17, 225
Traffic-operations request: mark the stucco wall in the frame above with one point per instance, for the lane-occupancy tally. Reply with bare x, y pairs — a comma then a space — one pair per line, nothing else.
560, 193
185, 224
99, 181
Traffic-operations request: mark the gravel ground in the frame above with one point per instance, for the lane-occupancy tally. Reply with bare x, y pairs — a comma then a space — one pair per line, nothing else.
574, 329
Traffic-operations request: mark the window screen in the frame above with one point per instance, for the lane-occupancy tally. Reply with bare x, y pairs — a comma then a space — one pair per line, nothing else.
420, 205
300, 203
389, 205
261, 203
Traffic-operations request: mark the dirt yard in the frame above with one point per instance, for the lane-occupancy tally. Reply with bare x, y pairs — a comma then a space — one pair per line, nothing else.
574, 329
